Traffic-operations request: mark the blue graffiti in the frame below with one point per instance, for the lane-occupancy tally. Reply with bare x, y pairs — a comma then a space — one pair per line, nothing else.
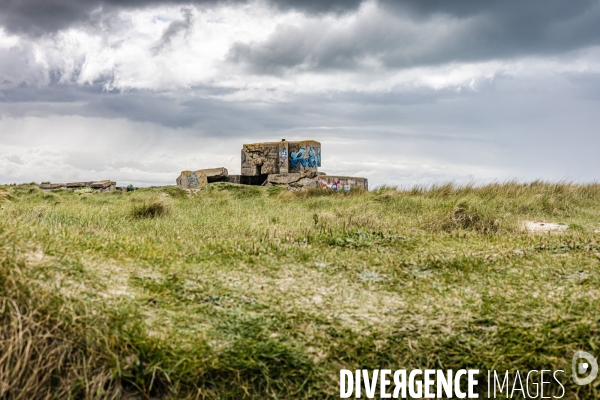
312, 158
318, 156
192, 180
297, 157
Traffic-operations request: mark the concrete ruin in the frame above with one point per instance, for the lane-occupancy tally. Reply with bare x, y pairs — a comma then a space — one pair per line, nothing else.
294, 165
97, 186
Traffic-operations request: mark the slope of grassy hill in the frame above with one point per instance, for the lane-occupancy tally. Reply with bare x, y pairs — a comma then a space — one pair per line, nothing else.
249, 292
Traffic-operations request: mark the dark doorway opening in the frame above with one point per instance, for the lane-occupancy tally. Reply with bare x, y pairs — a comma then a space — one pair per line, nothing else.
253, 180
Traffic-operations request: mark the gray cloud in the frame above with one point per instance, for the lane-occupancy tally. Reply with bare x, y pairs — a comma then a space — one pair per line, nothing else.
417, 33
18, 66
175, 28
37, 17
524, 128
401, 34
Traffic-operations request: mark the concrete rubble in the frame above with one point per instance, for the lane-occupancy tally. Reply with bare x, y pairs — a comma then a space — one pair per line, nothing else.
97, 186
290, 164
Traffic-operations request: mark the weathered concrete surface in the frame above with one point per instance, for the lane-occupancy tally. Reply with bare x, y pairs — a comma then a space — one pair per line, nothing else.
286, 179
280, 157
260, 159
99, 186
216, 174
199, 178
191, 179
307, 183
342, 182
78, 185
289, 179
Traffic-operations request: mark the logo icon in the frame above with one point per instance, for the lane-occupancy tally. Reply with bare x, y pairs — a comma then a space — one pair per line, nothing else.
582, 364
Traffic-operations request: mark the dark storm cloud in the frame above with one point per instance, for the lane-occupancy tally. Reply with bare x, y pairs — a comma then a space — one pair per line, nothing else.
533, 25
199, 108
413, 33
571, 99
171, 110
405, 34
36, 17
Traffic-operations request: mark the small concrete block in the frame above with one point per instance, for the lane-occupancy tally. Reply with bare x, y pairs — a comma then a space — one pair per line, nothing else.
191, 179
199, 178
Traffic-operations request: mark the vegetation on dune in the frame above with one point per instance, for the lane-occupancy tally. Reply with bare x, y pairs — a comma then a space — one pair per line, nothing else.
250, 292
155, 208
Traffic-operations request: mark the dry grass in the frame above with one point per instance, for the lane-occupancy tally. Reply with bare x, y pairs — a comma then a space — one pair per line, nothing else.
5, 196
241, 292
47, 350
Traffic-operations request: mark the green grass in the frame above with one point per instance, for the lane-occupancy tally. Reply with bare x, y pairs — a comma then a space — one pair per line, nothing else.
250, 292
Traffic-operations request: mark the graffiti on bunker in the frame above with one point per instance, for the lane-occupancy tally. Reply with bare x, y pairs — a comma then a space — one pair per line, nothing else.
310, 158
283, 154
192, 180
337, 185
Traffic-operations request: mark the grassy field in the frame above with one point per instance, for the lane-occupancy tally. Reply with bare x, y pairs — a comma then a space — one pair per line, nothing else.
249, 292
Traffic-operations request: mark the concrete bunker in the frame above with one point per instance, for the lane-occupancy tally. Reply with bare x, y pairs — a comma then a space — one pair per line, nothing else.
293, 164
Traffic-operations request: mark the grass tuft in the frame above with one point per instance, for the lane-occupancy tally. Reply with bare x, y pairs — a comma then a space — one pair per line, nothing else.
470, 214
153, 209
5, 195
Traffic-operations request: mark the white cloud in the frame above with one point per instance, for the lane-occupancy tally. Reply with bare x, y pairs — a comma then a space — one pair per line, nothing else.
75, 148
123, 57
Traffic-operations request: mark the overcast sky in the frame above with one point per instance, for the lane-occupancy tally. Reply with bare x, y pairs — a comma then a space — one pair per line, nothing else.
401, 92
